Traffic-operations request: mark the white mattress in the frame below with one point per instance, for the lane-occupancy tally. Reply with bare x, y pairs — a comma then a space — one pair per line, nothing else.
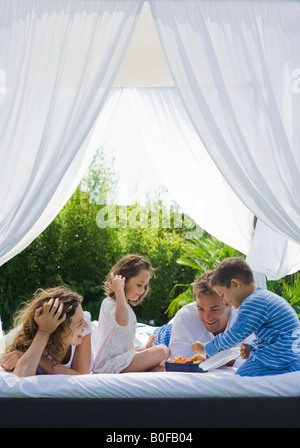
220, 382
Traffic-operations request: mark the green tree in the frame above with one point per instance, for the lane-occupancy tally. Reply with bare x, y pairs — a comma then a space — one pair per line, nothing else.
289, 288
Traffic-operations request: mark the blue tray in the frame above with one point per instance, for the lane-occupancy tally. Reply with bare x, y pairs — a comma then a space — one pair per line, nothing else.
183, 367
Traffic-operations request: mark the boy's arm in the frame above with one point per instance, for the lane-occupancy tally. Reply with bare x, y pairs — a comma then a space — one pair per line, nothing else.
252, 314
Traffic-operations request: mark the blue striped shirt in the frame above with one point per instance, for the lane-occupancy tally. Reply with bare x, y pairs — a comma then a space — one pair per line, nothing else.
275, 325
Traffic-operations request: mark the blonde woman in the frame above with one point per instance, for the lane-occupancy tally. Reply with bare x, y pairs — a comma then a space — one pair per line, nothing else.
53, 336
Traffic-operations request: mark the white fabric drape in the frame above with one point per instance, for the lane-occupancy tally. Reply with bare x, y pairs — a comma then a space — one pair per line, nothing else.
237, 69
272, 253
155, 122
234, 64
152, 125
58, 60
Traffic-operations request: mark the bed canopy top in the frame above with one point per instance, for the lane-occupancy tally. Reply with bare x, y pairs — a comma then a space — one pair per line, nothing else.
208, 90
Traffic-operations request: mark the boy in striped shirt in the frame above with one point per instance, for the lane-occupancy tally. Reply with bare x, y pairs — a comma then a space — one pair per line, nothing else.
269, 316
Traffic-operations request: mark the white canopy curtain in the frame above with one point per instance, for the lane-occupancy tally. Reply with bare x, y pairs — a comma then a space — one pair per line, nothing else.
58, 60
233, 63
155, 121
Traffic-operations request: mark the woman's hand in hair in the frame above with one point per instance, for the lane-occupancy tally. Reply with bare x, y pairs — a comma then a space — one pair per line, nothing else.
50, 316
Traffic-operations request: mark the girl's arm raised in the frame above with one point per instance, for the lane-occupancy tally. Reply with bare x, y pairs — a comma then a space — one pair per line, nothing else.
118, 286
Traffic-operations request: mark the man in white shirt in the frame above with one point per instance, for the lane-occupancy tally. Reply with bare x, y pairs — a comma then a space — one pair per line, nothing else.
201, 320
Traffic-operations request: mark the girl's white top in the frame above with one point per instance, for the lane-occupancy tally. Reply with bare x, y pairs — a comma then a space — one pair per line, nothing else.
115, 343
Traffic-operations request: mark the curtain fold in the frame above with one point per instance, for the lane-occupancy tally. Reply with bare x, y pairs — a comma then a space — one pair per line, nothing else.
58, 60
153, 123
234, 64
272, 253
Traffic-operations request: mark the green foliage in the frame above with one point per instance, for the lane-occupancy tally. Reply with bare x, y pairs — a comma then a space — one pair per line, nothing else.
205, 254
182, 299
289, 288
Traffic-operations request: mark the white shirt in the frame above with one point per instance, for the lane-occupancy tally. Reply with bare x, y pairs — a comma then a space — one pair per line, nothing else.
188, 328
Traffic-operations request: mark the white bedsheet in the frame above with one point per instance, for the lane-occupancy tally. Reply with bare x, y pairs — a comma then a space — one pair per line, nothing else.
218, 383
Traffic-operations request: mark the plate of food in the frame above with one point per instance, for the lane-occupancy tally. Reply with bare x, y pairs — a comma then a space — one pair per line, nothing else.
200, 364
180, 364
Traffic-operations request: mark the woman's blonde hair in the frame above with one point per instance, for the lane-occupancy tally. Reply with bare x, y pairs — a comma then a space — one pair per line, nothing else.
27, 327
130, 266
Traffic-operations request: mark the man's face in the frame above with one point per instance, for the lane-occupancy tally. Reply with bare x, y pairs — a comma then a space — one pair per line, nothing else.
213, 312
